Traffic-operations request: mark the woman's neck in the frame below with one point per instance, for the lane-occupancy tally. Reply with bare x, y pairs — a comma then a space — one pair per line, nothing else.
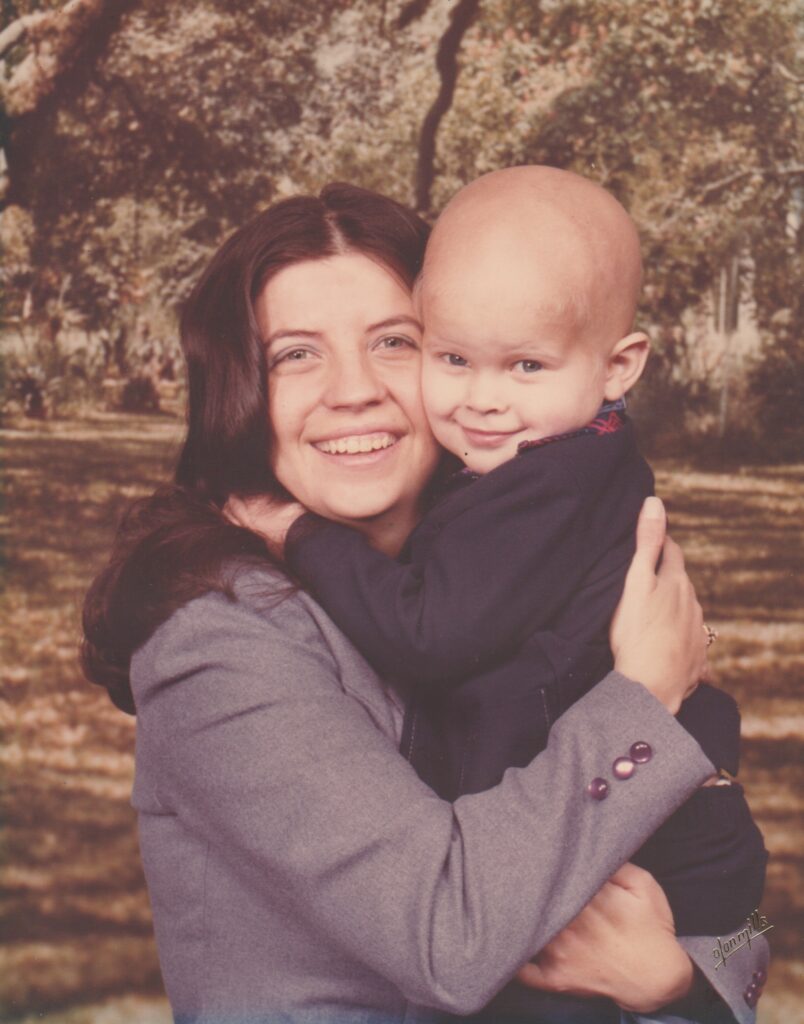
387, 533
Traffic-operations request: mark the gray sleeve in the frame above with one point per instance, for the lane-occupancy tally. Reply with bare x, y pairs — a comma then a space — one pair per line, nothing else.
732, 980
263, 752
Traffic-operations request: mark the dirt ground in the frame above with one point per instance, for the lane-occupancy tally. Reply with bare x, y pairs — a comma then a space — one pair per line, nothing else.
75, 934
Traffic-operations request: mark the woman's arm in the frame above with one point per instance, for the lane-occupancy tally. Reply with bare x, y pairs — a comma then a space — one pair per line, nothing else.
623, 945
263, 750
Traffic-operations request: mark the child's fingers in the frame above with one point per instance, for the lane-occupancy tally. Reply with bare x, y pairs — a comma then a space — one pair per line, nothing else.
235, 511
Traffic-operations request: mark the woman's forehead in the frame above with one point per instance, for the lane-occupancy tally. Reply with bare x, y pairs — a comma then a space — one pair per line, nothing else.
317, 295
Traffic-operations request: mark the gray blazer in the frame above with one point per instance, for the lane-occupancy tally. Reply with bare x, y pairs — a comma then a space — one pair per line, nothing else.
300, 871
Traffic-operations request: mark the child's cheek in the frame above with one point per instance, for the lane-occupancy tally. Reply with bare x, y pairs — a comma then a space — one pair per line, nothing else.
438, 400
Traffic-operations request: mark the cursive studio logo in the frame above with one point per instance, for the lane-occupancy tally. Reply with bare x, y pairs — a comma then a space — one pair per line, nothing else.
756, 924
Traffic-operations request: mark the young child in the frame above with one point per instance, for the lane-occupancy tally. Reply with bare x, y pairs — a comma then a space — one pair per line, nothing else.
499, 614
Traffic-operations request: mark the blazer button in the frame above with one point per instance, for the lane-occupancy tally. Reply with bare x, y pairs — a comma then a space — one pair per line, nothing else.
751, 995
623, 768
641, 752
598, 789
760, 977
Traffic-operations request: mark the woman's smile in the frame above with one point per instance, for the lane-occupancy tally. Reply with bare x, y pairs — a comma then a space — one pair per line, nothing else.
354, 444
350, 439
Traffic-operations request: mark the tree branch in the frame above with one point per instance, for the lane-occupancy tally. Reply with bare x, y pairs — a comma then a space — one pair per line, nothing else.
59, 40
410, 12
785, 72
447, 64
66, 45
777, 172
12, 33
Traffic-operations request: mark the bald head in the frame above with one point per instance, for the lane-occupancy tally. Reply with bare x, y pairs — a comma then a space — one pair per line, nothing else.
542, 237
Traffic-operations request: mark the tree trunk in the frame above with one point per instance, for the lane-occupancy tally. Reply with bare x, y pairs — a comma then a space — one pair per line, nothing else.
65, 47
728, 307
447, 64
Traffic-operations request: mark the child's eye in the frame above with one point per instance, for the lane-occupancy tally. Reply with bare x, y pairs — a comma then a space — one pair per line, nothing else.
453, 359
528, 365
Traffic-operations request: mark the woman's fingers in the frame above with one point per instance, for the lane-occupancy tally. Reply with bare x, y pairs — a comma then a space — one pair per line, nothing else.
650, 536
632, 877
622, 945
657, 634
535, 976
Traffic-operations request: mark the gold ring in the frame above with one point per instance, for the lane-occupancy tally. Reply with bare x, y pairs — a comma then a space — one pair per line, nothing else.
711, 635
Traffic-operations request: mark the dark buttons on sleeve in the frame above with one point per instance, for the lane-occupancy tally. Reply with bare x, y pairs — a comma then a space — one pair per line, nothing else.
640, 752
751, 995
598, 789
760, 977
623, 768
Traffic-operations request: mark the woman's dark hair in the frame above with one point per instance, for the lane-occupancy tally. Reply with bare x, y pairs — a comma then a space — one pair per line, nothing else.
176, 544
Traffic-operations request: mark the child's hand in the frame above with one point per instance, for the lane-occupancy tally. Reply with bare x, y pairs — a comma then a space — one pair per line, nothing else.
268, 517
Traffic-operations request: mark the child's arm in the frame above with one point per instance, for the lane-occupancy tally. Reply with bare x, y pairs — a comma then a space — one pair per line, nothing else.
493, 573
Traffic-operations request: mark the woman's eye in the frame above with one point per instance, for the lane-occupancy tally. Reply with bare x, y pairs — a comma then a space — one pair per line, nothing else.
452, 359
290, 356
395, 342
528, 365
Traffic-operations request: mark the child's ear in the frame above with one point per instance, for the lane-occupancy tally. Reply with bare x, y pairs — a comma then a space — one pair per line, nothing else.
625, 365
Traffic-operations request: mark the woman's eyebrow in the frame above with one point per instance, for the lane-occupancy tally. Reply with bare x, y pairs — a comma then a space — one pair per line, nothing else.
395, 321
291, 333
392, 321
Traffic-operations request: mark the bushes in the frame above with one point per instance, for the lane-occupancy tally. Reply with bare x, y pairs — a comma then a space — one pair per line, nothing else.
777, 386
139, 395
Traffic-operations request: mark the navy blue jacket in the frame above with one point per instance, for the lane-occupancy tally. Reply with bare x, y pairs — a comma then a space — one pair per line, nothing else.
499, 618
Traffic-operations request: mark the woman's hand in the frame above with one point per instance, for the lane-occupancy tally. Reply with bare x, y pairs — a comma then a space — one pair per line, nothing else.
622, 945
657, 634
266, 516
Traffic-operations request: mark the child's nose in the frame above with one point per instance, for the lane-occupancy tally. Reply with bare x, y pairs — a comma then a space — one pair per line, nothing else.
485, 394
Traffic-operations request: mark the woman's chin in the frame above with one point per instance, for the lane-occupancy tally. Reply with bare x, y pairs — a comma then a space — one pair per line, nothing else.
355, 504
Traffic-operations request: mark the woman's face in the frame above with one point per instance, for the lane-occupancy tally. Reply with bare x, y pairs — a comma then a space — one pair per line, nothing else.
350, 438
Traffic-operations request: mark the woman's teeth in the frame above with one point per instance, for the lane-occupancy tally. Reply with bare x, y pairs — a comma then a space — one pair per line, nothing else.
356, 443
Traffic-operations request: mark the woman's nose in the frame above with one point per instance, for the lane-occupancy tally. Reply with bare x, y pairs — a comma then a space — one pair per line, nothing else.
353, 383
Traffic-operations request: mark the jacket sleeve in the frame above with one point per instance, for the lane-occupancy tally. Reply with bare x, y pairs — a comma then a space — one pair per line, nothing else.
709, 855
263, 751
724, 994
493, 574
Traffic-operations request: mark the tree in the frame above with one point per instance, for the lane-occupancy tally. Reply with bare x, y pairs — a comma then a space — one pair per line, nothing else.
156, 128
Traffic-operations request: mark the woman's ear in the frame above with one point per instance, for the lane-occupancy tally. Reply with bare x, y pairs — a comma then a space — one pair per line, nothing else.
625, 365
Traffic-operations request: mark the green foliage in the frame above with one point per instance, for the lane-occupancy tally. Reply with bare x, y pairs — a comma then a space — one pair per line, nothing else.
777, 384
199, 114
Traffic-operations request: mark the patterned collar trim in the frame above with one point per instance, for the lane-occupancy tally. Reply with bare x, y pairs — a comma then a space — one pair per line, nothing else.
611, 418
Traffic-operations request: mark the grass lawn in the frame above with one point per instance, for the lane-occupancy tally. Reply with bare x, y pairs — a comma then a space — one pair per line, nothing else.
76, 940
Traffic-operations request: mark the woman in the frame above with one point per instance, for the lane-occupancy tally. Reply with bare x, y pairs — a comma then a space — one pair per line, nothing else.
297, 867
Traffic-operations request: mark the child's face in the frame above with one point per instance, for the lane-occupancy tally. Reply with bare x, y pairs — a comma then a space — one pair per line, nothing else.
497, 373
